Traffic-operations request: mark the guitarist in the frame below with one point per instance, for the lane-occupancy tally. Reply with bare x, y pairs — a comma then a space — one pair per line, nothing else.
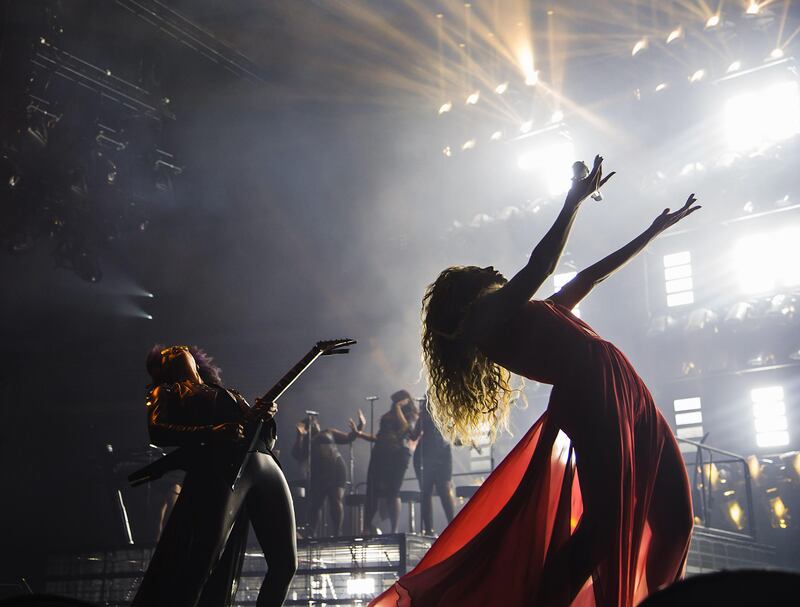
200, 553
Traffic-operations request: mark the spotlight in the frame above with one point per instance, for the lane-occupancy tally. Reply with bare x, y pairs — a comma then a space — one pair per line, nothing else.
777, 53
639, 47
713, 21
496, 136
758, 119
445, 107
697, 76
734, 67
661, 87
748, 207
469, 144
526, 126
532, 78
360, 586
675, 34
552, 162
473, 98
753, 8
501, 88
447, 151
148, 316
769, 413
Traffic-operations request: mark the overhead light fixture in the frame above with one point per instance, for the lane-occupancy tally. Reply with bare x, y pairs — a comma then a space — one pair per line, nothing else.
675, 34
734, 67
445, 107
447, 151
557, 116
753, 8
712, 22
639, 47
532, 78
777, 53
469, 144
526, 126
697, 76
496, 136
473, 98
501, 88
661, 87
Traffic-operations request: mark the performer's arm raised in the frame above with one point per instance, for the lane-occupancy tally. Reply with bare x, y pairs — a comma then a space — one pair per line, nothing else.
543, 261
576, 289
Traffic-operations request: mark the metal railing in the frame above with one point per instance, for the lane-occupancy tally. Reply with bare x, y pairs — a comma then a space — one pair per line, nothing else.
711, 469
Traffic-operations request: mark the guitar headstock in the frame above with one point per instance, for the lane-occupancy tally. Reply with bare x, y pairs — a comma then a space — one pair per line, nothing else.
335, 346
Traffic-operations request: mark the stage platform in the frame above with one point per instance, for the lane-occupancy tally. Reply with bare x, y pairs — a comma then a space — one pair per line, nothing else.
340, 571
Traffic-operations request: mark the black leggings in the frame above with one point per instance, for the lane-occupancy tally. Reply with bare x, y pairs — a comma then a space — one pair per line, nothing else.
200, 552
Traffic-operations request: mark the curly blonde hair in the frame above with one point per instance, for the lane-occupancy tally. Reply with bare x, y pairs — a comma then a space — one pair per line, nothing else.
469, 394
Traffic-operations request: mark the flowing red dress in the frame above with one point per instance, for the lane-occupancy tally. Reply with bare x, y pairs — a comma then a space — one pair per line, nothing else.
601, 457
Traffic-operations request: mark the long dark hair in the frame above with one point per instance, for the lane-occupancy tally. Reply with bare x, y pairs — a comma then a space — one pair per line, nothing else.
469, 394
208, 371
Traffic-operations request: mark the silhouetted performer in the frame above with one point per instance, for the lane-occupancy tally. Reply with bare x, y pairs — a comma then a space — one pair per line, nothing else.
200, 553
433, 463
328, 470
539, 531
389, 460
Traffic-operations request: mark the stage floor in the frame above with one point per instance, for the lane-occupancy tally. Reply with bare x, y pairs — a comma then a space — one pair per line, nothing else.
340, 571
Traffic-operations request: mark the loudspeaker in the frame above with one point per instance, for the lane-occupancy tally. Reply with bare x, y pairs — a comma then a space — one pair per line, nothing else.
735, 588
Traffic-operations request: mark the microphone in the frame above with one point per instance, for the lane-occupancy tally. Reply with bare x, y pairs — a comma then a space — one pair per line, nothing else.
371, 398
315, 413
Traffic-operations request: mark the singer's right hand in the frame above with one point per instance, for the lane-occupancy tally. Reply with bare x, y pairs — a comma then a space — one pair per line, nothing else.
582, 188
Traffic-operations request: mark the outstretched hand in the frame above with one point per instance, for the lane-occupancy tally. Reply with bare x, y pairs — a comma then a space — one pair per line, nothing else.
582, 188
667, 219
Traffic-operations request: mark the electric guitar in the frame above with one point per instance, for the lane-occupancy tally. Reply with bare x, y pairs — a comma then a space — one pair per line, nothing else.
253, 421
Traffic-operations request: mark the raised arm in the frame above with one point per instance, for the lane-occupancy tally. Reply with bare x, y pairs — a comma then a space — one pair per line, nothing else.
584, 281
543, 260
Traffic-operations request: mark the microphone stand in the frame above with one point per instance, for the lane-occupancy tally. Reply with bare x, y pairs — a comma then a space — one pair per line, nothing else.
312, 415
371, 400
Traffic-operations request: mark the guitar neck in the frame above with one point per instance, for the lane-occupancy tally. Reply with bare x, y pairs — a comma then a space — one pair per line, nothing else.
283, 384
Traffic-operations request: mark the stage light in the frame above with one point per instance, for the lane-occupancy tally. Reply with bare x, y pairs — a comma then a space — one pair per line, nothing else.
674, 35
678, 279
501, 88
758, 119
360, 586
748, 207
445, 107
713, 21
496, 136
526, 126
779, 513
769, 413
734, 67
553, 163
639, 47
148, 317
765, 262
688, 421
532, 78
469, 144
777, 53
753, 8
736, 514
661, 87
697, 76
447, 151
557, 117
473, 98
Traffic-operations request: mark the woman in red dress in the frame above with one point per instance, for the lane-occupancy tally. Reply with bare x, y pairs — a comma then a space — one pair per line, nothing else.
592, 507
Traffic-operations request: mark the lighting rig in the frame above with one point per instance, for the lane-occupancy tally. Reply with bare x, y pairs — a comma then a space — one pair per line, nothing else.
86, 114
